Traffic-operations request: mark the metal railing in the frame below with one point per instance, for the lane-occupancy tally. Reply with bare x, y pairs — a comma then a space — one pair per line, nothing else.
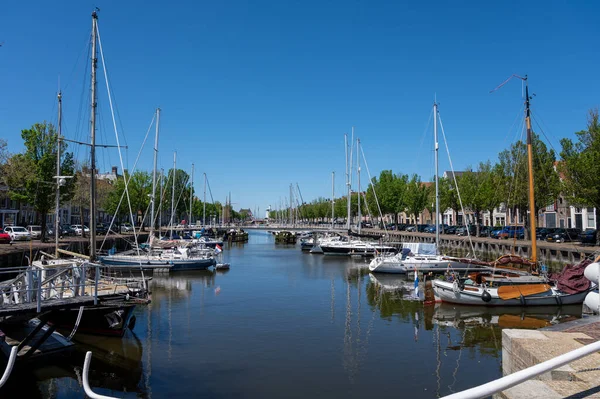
592, 273
519, 377
36, 284
86, 383
9, 366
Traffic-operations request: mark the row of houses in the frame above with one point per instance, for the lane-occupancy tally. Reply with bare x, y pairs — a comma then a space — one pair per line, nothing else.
558, 214
13, 212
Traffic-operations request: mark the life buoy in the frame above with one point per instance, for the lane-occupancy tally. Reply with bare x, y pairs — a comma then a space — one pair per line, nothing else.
486, 296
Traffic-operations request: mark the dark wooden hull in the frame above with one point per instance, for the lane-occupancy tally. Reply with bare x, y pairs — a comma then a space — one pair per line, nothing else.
107, 319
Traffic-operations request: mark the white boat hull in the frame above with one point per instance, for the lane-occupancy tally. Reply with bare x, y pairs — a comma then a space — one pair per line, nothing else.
473, 295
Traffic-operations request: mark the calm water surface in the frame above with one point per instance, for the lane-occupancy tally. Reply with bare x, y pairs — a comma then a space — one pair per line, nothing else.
282, 323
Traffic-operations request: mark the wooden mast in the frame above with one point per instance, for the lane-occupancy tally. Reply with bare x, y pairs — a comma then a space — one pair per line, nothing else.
532, 211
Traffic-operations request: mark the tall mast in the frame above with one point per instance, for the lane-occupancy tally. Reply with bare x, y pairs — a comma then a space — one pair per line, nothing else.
152, 221
93, 142
358, 182
57, 209
160, 203
191, 196
173, 192
437, 190
532, 212
332, 198
204, 204
347, 183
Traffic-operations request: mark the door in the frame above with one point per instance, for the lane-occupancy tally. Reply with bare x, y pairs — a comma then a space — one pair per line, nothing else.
550, 219
578, 221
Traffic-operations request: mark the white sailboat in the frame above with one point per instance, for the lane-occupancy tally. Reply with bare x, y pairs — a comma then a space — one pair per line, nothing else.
419, 256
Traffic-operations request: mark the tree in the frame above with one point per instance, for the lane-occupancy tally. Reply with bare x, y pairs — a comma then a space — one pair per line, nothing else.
416, 196
448, 195
182, 194
580, 166
139, 186
30, 175
478, 191
391, 191
513, 179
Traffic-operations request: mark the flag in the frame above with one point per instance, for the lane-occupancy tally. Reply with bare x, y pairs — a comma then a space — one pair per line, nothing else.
218, 249
416, 283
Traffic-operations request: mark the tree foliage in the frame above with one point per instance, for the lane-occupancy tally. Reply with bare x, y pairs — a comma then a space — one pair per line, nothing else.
30, 175
580, 166
417, 196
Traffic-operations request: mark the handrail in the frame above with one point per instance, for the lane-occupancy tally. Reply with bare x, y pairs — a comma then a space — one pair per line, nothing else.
86, 384
9, 366
519, 377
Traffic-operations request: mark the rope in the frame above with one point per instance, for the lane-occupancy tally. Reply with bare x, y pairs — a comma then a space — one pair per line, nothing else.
112, 114
127, 180
455, 182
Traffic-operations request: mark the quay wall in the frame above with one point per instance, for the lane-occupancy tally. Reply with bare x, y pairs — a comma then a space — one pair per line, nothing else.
554, 255
16, 255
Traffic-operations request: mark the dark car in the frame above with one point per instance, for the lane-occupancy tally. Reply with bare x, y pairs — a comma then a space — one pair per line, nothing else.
67, 230
103, 228
450, 230
589, 237
564, 235
542, 232
484, 231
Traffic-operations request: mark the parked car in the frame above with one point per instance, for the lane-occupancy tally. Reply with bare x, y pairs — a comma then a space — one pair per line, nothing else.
102, 228
126, 227
564, 235
79, 228
496, 231
485, 231
35, 231
450, 230
4, 237
67, 230
462, 230
517, 232
17, 233
589, 236
542, 232
366, 225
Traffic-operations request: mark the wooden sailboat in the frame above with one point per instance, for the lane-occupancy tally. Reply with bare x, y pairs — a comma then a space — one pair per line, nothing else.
501, 287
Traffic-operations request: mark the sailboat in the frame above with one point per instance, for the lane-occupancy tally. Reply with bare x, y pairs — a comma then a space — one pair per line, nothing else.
512, 287
164, 255
348, 245
63, 278
422, 256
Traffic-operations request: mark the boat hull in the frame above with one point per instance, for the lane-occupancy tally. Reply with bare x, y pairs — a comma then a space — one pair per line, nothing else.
473, 295
112, 320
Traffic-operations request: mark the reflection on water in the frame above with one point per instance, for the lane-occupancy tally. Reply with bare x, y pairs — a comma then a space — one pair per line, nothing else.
286, 323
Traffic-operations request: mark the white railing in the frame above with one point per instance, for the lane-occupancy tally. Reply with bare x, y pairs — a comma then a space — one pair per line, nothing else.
86, 383
9, 366
519, 377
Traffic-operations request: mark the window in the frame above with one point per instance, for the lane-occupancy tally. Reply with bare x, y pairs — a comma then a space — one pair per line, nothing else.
591, 218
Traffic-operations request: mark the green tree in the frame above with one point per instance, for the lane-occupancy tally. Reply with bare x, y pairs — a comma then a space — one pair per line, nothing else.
417, 195
139, 185
448, 195
30, 175
580, 166
513, 176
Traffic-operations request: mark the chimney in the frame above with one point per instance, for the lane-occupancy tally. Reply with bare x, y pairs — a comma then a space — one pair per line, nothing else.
114, 170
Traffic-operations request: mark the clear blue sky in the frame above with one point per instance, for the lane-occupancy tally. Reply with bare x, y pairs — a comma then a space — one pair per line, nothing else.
259, 94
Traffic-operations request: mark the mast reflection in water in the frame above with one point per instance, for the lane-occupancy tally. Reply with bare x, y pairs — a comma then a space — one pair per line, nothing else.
286, 323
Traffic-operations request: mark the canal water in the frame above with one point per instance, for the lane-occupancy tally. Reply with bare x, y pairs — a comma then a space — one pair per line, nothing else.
282, 323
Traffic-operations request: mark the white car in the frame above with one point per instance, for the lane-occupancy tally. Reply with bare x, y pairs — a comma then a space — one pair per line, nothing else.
77, 228
35, 231
17, 233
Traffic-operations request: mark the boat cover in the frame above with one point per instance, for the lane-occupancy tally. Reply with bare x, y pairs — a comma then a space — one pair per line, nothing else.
571, 280
421, 248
